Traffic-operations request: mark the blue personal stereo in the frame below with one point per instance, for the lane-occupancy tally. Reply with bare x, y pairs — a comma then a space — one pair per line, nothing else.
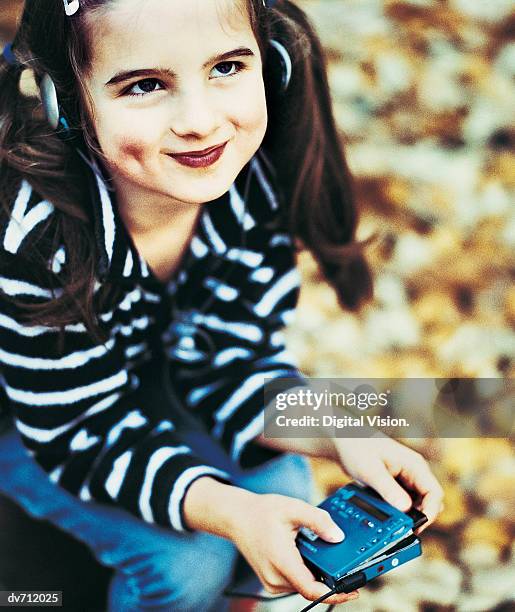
378, 538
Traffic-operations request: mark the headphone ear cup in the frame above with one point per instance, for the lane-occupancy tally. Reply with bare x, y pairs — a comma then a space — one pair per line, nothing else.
53, 114
278, 66
49, 99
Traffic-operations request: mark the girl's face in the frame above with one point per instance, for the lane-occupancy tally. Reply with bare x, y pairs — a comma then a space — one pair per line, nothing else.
171, 77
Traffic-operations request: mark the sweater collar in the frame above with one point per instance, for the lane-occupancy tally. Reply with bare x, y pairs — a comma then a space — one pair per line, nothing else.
119, 260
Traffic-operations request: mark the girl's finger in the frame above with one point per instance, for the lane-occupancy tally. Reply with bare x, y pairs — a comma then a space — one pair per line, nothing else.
431, 507
318, 520
299, 578
419, 476
380, 479
314, 589
291, 566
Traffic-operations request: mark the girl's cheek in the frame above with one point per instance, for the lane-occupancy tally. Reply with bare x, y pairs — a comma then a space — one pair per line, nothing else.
131, 149
121, 130
250, 108
120, 143
124, 155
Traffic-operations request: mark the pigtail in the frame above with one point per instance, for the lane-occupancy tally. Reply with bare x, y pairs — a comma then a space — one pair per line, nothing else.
29, 150
305, 147
11, 114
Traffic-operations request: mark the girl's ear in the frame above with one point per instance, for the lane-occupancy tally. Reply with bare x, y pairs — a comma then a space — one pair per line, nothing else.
28, 86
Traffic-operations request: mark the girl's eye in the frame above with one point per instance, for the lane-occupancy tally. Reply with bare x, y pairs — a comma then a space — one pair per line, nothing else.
146, 86
225, 68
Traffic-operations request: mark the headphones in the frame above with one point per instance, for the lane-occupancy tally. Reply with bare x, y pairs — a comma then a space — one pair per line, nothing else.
48, 91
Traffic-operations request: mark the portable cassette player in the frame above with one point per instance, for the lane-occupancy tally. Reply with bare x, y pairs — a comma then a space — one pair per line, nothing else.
378, 538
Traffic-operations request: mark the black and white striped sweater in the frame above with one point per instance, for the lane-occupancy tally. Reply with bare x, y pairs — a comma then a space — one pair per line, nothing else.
85, 414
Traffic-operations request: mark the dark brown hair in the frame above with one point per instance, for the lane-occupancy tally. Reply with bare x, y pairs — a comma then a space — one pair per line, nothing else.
302, 142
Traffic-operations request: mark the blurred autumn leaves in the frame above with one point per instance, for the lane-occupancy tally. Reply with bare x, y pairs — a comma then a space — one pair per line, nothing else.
423, 95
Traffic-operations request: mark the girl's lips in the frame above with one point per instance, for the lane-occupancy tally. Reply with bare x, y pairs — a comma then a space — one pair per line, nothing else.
200, 161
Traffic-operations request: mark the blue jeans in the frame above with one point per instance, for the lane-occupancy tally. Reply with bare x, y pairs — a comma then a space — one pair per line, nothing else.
156, 569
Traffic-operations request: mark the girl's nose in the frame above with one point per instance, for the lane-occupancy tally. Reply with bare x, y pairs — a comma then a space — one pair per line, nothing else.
195, 113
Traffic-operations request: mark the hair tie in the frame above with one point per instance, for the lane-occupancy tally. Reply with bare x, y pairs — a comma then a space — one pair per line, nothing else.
9, 56
71, 7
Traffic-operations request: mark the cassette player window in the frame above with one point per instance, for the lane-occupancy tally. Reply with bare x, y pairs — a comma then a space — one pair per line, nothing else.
373, 511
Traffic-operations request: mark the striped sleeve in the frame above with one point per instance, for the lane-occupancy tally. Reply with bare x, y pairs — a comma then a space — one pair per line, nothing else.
249, 334
83, 420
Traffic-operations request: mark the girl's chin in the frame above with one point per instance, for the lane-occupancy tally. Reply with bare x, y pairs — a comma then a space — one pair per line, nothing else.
203, 190
199, 196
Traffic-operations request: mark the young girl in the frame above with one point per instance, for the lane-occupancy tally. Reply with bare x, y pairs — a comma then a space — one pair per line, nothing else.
151, 198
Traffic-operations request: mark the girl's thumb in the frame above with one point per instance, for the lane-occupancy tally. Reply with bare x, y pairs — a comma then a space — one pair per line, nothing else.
319, 522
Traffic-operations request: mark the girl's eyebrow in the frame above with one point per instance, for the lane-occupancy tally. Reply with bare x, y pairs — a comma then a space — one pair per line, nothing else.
125, 75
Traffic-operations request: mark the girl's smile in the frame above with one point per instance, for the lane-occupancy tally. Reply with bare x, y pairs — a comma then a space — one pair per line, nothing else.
189, 80
201, 159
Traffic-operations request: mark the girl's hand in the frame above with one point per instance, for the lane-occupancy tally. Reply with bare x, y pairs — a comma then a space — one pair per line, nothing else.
264, 530
379, 461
